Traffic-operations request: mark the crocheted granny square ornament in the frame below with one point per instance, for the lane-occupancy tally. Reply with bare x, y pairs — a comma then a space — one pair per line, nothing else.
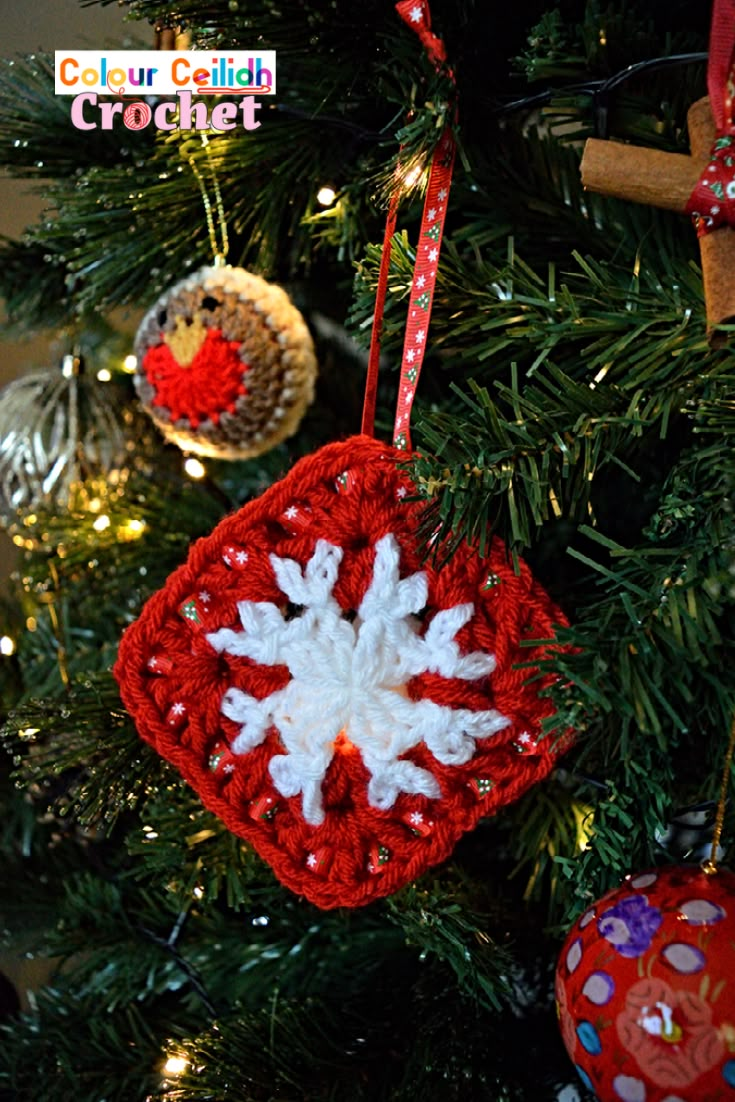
347, 709
226, 364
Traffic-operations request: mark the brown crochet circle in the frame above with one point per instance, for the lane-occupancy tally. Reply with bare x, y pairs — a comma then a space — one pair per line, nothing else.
240, 318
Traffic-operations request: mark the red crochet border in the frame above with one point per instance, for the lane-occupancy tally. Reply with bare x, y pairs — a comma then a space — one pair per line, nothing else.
350, 493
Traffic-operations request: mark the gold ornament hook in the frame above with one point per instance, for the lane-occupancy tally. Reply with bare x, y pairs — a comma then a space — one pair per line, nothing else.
710, 865
219, 251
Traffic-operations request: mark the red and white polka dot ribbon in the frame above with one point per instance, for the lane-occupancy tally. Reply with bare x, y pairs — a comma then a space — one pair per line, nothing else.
424, 283
416, 14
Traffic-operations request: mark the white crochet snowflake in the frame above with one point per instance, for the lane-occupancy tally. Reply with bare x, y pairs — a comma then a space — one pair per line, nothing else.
351, 678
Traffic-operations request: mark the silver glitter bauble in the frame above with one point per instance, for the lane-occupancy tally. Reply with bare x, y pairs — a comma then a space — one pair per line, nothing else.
58, 429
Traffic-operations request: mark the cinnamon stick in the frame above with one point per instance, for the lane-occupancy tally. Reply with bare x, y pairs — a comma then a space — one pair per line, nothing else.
702, 131
666, 180
717, 249
165, 38
638, 174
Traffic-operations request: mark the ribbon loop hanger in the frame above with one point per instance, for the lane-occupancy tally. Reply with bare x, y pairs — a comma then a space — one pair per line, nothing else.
417, 15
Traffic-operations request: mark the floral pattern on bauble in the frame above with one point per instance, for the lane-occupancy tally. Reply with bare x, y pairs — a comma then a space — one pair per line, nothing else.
630, 925
670, 1033
645, 989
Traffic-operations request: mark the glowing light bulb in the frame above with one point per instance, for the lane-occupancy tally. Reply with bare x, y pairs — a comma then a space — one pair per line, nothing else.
412, 176
194, 468
175, 1065
131, 530
130, 363
326, 195
104, 375
7, 646
102, 522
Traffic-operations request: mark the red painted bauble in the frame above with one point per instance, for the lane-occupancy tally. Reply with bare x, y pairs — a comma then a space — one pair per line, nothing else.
347, 707
645, 989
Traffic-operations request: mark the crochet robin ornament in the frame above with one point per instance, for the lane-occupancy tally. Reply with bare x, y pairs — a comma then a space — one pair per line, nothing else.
225, 364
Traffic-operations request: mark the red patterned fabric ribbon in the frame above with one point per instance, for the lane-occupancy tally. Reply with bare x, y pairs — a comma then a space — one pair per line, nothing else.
712, 203
416, 14
424, 282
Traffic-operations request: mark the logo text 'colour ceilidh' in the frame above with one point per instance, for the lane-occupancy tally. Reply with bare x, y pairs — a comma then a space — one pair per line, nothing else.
124, 88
